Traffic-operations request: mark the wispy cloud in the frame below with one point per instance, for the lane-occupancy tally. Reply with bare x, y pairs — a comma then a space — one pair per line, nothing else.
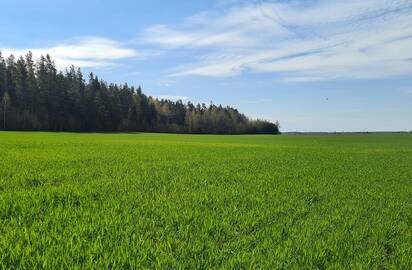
86, 52
299, 40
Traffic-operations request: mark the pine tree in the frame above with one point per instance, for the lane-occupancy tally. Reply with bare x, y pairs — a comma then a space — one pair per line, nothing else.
38, 97
3, 73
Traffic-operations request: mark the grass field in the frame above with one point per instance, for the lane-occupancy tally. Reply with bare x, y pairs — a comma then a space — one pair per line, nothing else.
200, 202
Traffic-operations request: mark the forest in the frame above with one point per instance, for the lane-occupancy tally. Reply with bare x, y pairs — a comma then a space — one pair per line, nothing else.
35, 95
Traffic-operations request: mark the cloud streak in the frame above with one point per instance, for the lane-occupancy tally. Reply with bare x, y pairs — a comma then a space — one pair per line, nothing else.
87, 52
300, 41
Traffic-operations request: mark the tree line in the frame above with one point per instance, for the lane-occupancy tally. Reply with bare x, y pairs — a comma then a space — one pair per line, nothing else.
36, 96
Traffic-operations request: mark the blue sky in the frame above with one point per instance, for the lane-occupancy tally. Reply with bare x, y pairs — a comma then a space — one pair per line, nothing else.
312, 65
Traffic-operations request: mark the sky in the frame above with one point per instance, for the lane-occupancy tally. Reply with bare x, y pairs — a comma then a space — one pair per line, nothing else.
312, 65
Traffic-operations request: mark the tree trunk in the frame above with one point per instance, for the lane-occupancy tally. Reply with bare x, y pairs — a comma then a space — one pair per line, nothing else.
4, 117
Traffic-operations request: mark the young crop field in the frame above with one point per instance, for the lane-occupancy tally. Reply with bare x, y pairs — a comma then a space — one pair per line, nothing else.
118, 201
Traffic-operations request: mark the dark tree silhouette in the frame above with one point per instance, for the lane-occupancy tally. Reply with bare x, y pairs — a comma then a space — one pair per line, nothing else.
36, 96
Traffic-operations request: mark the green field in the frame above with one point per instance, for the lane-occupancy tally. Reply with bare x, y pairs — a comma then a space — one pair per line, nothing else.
200, 202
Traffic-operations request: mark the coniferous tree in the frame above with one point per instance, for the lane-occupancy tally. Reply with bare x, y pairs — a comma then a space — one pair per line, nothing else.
36, 96
3, 74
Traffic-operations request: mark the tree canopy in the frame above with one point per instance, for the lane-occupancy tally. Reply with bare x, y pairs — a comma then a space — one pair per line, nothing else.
36, 96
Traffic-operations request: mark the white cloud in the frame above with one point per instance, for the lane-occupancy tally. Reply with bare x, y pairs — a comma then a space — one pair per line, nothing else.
167, 37
301, 41
87, 52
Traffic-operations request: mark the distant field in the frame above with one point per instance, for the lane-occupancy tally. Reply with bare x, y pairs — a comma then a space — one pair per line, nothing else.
199, 201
